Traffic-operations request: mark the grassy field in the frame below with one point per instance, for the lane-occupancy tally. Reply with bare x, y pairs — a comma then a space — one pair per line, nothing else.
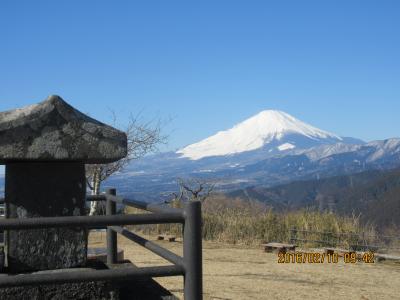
239, 272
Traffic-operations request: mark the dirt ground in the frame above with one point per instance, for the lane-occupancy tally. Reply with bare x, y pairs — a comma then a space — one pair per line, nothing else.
233, 272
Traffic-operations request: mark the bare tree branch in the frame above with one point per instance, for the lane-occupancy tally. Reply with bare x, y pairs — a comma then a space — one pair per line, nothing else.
142, 138
192, 189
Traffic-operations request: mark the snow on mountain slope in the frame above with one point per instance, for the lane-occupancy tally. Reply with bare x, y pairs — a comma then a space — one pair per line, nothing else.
264, 128
316, 153
286, 146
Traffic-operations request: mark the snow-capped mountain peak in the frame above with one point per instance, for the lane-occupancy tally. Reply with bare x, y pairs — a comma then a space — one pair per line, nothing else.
264, 128
275, 122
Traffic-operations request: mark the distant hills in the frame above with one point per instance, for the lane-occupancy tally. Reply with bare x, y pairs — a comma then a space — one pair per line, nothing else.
374, 195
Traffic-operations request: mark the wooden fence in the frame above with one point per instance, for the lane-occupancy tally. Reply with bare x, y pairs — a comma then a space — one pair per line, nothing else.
348, 240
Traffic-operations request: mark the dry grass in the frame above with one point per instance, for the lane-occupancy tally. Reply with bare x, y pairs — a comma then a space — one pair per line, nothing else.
251, 223
240, 272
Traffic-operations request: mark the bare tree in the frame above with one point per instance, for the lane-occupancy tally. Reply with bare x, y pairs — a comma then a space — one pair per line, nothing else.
142, 137
192, 189
189, 190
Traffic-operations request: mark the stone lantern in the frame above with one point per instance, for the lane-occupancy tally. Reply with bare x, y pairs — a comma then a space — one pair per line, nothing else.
45, 147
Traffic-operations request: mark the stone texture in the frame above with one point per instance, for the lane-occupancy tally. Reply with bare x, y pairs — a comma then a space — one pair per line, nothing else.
99, 290
144, 288
100, 254
45, 190
54, 130
72, 291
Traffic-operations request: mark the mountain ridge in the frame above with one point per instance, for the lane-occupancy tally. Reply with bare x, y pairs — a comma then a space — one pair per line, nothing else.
372, 195
149, 178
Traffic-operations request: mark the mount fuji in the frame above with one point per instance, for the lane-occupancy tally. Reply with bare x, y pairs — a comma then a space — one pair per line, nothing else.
272, 129
268, 149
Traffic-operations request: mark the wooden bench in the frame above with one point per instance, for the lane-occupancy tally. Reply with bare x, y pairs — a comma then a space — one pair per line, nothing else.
382, 257
169, 238
340, 252
278, 247
378, 257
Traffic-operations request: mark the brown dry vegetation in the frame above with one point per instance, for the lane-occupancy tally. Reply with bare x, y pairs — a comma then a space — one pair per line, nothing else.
235, 221
243, 272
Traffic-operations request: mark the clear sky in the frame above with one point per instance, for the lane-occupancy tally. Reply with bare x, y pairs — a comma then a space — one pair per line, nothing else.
208, 64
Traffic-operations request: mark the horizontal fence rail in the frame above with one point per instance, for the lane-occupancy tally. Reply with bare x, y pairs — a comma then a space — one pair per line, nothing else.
91, 222
351, 240
346, 234
190, 265
134, 203
153, 247
89, 275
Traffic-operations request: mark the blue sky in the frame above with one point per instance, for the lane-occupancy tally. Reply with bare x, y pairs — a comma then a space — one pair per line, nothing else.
208, 64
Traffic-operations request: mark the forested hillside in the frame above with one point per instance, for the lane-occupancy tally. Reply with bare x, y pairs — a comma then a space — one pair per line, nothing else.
374, 195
